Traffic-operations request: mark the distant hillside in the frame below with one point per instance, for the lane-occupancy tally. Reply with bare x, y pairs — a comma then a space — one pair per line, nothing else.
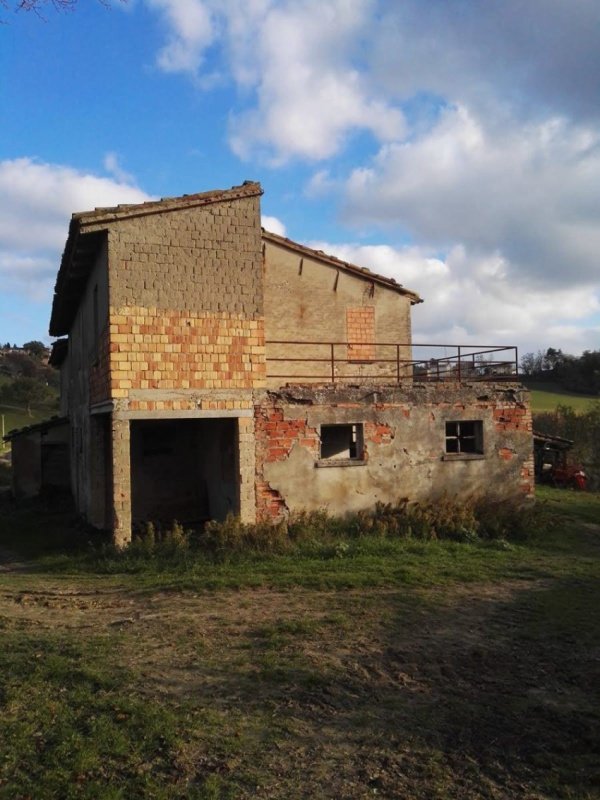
547, 395
28, 386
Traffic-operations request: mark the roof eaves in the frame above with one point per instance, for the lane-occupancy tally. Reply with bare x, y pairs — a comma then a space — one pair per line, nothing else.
53, 422
353, 269
114, 213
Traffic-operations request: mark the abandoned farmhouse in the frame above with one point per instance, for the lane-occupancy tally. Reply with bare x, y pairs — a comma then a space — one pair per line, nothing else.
208, 366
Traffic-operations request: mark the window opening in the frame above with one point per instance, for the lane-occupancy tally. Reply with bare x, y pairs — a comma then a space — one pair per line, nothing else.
464, 437
339, 442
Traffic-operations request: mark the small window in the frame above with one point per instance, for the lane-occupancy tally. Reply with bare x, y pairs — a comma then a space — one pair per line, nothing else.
342, 442
464, 437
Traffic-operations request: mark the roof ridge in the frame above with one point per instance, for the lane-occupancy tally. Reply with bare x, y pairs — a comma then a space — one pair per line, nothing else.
246, 189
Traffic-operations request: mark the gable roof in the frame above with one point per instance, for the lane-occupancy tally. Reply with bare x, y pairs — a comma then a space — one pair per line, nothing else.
344, 266
87, 232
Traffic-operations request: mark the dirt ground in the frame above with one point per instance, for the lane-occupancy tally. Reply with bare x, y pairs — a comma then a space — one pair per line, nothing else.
445, 693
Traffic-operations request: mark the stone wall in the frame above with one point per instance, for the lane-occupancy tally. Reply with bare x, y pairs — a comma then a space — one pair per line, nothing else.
186, 302
404, 436
312, 300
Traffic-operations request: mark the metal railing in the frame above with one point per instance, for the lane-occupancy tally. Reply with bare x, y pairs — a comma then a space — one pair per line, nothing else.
388, 362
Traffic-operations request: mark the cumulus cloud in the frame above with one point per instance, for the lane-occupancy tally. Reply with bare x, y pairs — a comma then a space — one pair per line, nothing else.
273, 224
190, 31
36, 202
531, 194
482, 146
469, 299
297, 61
540, 58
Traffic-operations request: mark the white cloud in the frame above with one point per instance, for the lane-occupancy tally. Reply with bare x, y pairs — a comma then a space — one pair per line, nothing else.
273, 224
530, 194
189, 32
36, 203
113, 166
485, 122
471, 299
297, 61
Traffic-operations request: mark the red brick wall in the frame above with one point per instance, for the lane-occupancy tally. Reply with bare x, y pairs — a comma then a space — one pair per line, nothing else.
154, 349
516, 418
360, 326
275, 437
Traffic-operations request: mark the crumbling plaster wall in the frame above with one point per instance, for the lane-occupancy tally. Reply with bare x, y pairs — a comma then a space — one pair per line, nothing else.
308, 300
404, 438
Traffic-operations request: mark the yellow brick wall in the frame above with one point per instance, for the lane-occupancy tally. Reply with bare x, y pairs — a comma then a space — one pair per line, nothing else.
159, 349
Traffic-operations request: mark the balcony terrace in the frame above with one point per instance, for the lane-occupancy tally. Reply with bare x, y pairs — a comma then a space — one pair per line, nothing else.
388, 363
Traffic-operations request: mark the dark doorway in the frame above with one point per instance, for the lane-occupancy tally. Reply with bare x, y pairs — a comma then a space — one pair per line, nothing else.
184, 470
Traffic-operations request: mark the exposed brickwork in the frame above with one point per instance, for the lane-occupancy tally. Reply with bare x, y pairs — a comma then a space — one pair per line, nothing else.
270, 505
516, 418
360, 327
513, 418
275, 437
405, 446
378, 432
154, 349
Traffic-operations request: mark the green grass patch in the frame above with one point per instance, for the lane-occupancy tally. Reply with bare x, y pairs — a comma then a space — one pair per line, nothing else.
390, 667
54, 543
15, 418
546, 396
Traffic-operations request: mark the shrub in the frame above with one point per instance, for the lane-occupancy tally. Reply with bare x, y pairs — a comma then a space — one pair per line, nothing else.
235, 536
321, 532
153, 540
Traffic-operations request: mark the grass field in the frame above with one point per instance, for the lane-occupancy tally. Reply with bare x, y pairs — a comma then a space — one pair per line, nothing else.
20, 418
547, 396
393, 669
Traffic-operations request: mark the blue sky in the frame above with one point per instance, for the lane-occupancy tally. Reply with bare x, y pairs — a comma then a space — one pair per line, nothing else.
452, 145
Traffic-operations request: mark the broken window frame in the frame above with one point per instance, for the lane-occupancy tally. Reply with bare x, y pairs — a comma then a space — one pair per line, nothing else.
355, 449
464, 438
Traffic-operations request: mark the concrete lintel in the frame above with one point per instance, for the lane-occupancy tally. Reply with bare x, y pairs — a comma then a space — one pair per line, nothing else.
107, 407
166, 395
187, 414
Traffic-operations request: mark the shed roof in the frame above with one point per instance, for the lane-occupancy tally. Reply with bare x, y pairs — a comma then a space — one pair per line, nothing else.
37, 427
345, 266
87, 232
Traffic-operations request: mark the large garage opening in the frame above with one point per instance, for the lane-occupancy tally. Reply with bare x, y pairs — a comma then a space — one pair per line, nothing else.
184, 470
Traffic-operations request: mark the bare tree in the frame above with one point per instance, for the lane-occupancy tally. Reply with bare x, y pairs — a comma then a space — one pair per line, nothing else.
38, 6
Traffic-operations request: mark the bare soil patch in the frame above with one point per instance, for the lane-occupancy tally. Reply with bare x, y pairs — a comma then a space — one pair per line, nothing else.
351, 694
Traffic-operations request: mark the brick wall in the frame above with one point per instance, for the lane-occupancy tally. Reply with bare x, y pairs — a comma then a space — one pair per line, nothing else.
206, 258
509, 419
404, 437
152, 348
360, 326
186, 301
311, 300
275, 436
100, 382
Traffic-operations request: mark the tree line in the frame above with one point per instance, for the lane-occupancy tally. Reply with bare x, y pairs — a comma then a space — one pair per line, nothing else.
26, 378
575, 373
